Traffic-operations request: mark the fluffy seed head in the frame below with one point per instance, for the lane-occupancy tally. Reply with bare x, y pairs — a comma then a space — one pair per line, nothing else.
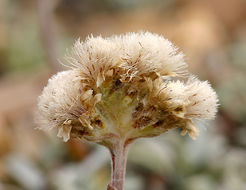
115, 89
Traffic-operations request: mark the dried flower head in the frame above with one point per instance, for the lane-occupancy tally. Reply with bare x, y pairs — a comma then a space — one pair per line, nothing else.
115, 89
122, 88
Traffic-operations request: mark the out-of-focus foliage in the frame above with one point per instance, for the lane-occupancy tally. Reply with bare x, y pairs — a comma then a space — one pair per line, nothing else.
212, 34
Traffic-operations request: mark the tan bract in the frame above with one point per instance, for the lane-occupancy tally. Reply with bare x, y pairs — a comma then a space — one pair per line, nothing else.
115, 89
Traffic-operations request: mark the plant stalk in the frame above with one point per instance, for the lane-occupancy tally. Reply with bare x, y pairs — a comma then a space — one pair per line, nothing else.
119, 157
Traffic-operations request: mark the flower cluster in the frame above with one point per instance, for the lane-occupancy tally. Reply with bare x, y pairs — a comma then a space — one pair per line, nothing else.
128, 86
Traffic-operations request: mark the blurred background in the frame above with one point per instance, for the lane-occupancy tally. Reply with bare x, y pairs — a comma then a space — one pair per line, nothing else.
34, 35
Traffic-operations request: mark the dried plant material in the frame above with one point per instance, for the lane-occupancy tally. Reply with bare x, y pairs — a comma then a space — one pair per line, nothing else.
115, 93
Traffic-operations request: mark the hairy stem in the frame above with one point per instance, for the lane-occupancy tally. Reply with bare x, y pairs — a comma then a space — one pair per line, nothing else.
119, 157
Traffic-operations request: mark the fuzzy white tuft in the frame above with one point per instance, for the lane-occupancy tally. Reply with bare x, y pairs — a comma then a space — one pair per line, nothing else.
59, 102
144, 53
203, 101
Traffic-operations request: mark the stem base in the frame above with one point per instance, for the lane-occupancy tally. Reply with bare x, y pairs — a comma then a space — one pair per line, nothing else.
119, 153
